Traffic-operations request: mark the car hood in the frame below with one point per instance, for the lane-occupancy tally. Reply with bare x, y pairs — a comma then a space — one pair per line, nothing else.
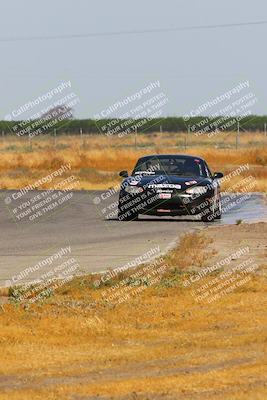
158, 180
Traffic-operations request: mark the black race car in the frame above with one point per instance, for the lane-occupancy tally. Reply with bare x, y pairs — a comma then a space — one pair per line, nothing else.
170, 185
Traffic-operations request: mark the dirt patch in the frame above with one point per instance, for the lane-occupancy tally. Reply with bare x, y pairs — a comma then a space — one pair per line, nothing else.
227, 239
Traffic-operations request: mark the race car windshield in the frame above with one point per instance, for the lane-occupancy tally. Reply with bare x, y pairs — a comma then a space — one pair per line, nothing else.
181, 166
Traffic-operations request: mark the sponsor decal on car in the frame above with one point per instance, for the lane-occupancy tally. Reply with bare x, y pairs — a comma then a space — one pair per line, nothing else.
190, 183
164, 186
165, 195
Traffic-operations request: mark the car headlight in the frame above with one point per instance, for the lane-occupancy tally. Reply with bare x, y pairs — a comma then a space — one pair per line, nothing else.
197, 190
133, 189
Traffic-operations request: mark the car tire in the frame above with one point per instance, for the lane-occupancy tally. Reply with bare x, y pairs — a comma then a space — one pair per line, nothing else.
123, 217
208, 217
209, 214
218, 212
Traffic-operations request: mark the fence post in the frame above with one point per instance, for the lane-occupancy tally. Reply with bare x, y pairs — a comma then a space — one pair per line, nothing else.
265, 131
186, 137
81, 135
30, 141
135, 138
237, 136
55, 137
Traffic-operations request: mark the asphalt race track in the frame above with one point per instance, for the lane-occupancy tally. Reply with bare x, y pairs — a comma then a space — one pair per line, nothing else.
87, 226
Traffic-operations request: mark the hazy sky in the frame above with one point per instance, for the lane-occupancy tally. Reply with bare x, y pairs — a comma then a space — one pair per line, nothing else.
192, 66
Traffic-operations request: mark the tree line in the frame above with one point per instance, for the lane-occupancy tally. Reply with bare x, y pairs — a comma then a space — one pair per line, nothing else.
168, 124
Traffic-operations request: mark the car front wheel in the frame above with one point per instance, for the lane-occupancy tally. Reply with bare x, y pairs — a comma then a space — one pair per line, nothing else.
218, 211
127, 216
209, 213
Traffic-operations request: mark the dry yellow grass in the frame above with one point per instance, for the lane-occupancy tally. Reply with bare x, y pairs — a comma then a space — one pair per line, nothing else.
161, 342
158, 344
98, 162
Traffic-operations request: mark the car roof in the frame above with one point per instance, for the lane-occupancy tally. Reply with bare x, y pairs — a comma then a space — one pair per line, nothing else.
170, 155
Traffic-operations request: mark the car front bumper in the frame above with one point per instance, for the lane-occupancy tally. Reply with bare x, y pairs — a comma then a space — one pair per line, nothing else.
152, 203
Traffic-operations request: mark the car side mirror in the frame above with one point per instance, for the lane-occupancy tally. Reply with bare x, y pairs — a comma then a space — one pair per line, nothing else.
217, 175
124, 174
